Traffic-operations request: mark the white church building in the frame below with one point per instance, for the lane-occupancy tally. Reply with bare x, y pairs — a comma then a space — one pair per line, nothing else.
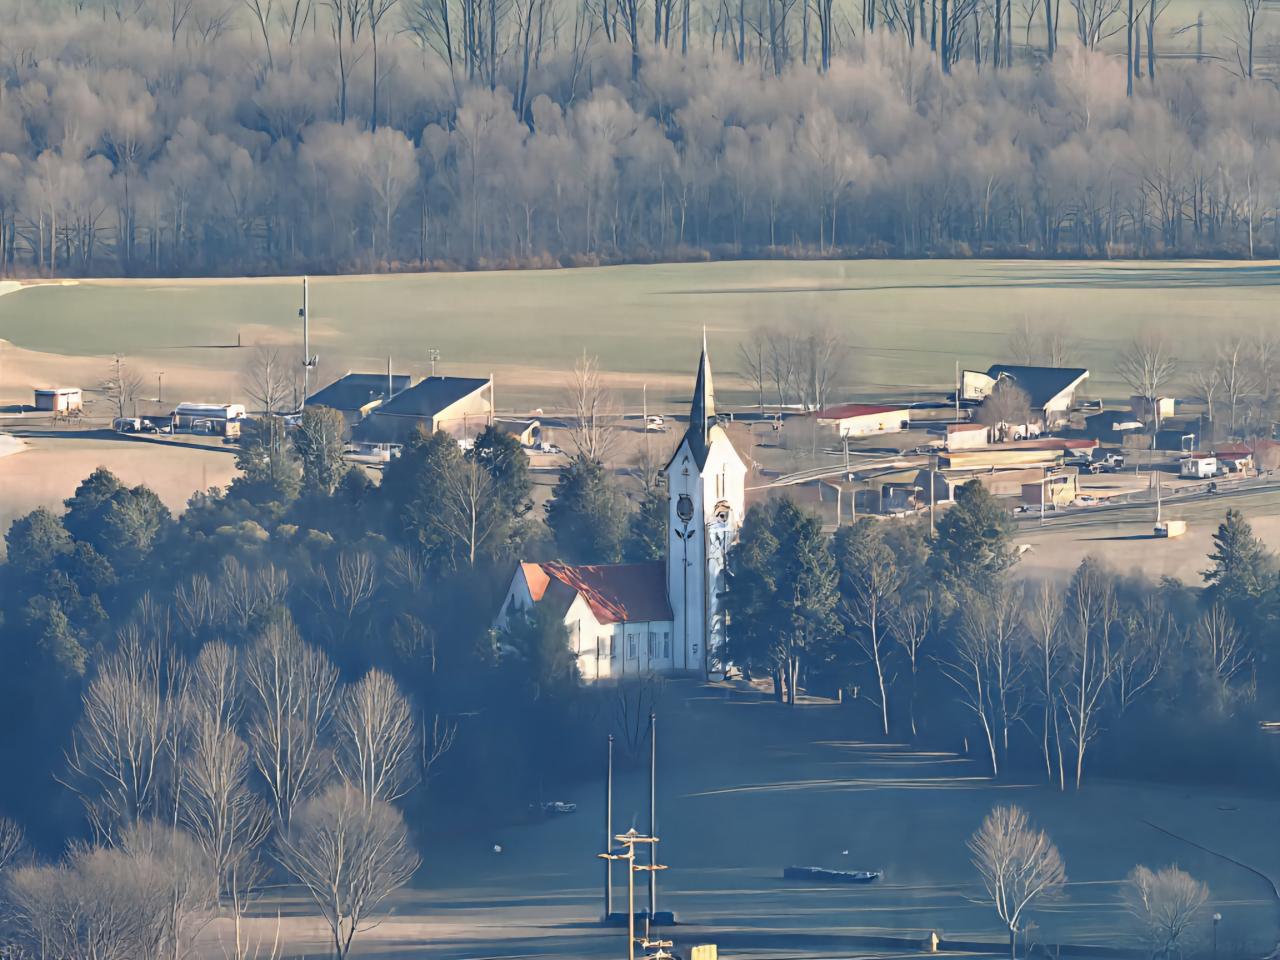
631, 619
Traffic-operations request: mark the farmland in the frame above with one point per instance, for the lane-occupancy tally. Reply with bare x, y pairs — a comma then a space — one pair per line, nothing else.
908, 322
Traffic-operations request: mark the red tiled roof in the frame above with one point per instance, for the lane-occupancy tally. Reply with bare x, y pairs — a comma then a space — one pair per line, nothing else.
536, 578
1233, 451
1043, 443
616, 592
845, 410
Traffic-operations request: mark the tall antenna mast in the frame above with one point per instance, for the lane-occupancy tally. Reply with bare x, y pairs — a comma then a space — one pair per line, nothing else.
308, 361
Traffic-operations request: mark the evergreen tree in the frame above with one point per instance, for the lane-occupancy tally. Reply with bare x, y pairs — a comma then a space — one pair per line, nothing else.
587, 515
750, 605
1241, 567
974, 543
268, 466
36, 541
501, 454
133, 523
88, 505
319, 442
807, 588
647, 534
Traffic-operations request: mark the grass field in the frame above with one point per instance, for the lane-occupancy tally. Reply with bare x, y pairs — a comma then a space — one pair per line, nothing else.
748, 786
907, 321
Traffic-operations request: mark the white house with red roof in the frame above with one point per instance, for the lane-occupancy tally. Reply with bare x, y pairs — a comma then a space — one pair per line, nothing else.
617, 615
864, 419
664, 616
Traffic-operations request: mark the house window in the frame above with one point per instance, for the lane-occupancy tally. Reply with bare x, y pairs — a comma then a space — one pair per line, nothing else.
575, 636
666, 644
631, 646
608, 642
652, 638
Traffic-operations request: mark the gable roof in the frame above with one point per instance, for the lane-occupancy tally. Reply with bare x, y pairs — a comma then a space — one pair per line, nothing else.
431, 395
1041, 384
615, 592
352, 392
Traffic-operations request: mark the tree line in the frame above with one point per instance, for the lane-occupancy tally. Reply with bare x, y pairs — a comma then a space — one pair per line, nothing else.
202, 706
928, 634
205, 137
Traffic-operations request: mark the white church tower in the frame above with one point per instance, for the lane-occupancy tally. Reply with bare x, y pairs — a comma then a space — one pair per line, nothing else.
706, 488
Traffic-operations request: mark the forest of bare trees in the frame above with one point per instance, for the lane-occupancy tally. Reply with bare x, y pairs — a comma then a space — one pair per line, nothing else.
215, 136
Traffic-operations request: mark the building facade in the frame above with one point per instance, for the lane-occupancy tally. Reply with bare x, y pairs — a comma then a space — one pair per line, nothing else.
667, 616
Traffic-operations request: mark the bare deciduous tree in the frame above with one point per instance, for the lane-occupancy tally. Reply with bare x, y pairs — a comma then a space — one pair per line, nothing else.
1007, 407
1091, 614
269, 379
1019, 865
291, 690
1138, 654
911, 625
1223, 649
753, 361
1044, 627
377, 739
121, 386
13, 844
350, 854
224, 816
117, 759
986, 665
466, 510
1147, 366
593, 413
1166, 903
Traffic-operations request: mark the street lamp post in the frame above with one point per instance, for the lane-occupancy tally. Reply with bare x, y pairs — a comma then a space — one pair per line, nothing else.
1217, 919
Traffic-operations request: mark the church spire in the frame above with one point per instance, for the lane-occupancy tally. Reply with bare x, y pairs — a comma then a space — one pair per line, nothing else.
702, 413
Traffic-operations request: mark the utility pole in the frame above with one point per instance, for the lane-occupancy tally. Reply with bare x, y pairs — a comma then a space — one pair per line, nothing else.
434, 356
390, 389
653, 813
160, 387
957, 391
629, 841
608, 833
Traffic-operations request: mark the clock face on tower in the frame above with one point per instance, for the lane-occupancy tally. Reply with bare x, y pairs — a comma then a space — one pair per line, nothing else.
684, 508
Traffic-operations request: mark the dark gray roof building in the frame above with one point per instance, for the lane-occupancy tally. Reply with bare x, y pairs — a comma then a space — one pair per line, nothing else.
458, 405
354, 392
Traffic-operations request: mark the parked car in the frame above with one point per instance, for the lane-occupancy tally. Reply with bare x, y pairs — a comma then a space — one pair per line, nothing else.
557, 807
548, 448
655, 422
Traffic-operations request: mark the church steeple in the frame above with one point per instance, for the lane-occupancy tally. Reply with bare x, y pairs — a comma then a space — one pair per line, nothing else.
702, 412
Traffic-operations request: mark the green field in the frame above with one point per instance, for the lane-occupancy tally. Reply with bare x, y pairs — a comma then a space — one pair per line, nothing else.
907, 321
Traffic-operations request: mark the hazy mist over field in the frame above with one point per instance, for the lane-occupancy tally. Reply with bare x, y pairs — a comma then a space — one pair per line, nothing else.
654, 478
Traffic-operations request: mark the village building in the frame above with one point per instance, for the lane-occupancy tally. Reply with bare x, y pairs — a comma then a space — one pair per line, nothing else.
356, 395
669, 614
617, 616
59, 399
458, 406
1051, 391
864, 419
220, 419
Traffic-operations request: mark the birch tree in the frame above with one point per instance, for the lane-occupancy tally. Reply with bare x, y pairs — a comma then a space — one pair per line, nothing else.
1018, 864
377, 739
290, 688
350, 854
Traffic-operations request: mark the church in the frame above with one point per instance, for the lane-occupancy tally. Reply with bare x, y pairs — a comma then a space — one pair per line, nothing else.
664, 616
